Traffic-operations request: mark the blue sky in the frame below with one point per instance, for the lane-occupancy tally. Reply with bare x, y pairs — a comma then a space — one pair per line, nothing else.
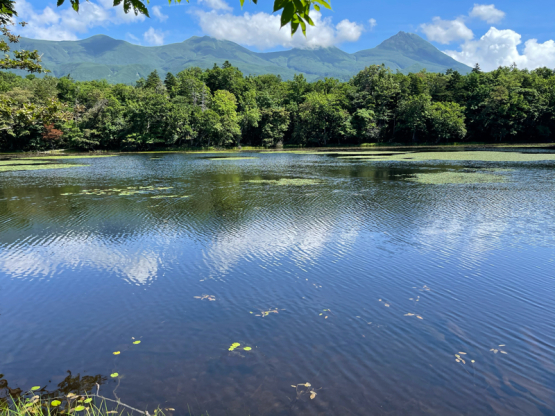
491, 34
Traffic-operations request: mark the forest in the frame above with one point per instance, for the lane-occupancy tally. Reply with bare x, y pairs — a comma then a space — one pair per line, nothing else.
221, 108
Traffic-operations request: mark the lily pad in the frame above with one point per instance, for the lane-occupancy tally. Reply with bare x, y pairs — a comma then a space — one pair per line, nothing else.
114, 375
55, 403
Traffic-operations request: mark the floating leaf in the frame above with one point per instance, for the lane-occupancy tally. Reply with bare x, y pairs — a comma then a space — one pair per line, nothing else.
55, 403
116, 352
233, 346
386, 305
247, 348
419, 317
71, 395
503, 352
307, 384
458, 360
457, 355
79, 408
502, 345
170, 409
473, 361
326, 317
88, 400
35, 388
137, 342
312, 395
409, 314
463, 353
114, 375
293, 386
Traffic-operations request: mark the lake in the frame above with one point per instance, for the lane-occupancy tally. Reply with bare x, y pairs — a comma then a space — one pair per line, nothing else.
387, 295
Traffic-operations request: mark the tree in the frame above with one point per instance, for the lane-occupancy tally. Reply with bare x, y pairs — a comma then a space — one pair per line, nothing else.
321, 119
447, 121
24, 60
224, 105
154, 82
413, 115
171, 84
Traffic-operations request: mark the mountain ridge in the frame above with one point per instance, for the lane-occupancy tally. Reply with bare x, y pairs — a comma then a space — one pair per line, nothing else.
118, 61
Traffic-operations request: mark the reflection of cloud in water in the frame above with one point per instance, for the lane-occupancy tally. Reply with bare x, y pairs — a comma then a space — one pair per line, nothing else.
300, 240
135, 264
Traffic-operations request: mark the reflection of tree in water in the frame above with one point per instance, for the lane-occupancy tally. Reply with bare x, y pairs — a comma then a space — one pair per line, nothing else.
71, 387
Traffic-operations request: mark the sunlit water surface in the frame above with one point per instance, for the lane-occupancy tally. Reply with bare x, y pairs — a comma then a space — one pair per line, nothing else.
344, 260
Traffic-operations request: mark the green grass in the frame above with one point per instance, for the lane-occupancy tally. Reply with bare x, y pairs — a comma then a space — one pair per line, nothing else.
14, 168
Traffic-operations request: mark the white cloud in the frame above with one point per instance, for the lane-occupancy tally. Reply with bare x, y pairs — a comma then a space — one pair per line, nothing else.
154, 37
373, 23
66, 24
215, 4
499, 48
446, 31
262, 30
130, 37
487, 12
157, 12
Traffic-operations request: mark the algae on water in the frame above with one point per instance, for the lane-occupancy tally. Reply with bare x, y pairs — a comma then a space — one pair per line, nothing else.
286, 182
470, 156
231, 158
54, 157
13, 168
442, 178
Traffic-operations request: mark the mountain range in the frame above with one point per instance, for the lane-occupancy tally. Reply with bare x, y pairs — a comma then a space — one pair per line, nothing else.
118, 61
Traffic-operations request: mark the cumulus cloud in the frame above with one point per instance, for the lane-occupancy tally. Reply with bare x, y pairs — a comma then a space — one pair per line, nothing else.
373, 23
66, 24
262, 30
487, 12
154, 37
499, 48
446, 31
215, 4
157, 12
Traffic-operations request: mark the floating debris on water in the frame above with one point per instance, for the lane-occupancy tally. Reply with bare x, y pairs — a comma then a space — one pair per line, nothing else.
211, 298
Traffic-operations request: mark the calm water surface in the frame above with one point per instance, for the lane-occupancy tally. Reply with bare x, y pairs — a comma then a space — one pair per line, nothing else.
343, 260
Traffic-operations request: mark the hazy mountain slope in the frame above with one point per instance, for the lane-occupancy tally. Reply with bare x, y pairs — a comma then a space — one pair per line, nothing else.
101, 57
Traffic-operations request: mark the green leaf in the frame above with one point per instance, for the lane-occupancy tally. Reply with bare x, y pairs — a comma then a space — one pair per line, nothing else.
79, 408
35, 388
114, 375
55, 403
287, 14
88, 400
137, 342
247, 348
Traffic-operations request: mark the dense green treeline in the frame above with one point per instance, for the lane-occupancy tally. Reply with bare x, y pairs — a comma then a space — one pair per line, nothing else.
220, 107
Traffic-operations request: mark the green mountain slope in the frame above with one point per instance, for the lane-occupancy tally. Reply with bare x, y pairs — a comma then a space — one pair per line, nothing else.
117, 61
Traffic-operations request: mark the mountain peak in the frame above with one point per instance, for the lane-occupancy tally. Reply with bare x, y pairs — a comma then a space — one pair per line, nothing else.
405, 42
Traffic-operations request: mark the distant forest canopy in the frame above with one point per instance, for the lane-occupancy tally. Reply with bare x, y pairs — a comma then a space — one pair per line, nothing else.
222, 108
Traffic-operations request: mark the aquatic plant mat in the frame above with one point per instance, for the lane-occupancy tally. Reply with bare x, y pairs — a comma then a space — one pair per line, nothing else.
52, 157
232, 158
32, 166
286, 182
465, 177
481, 156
